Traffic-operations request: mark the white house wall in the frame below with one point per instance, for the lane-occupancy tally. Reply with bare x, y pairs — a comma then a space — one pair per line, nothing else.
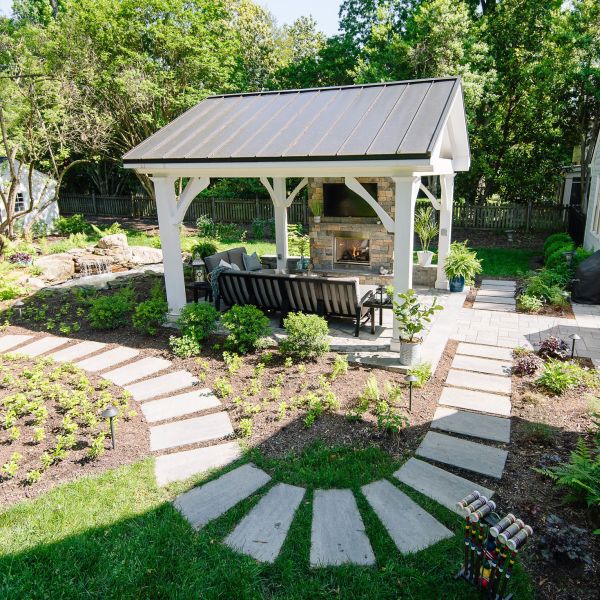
592, 224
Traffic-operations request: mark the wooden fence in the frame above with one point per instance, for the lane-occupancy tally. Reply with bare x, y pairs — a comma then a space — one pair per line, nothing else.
528, 217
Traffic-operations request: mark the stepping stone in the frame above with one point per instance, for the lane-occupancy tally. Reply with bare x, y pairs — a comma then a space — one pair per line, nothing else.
478, 401
438, 484
338, 535
107, 359
471, 456
42, 346
502, 282
498, 288
209, 501
497, 300
411, 527
177, 406
10, 341
485, 427
181, 465
137, 370
161, 386
190, 431
483, 351
261, 533
492, 306
76, 351
479, 381
481, 365
496, 293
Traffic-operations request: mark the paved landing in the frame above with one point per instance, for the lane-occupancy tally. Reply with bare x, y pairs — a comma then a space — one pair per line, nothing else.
479, 381
108, 359
492, 306
471, 456
42, 346
411, 527
438, 484
338, 535
190, 431
500, 282
483, 351
486, 427
137, 370
161, 386
209, 501
181, 465
76, 351
10, 341
481, 365
261, 533
177, 406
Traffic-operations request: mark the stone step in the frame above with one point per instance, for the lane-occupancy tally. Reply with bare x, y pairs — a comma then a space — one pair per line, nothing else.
496, 300
411, 527
492, 306
483, 351
10, 341
76, 351
161, 386
181, 465
338, 535
209, 501
180, 405
496, 293
498, 288
486, 427
439, 485
502, 282
42, 345
477, 401
261, 532
481, 365
137, 370
190, 431
471, 456
479, 381
107, 359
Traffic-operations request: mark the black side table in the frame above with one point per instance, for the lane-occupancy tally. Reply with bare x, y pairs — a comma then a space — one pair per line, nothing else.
372, 305
199, 287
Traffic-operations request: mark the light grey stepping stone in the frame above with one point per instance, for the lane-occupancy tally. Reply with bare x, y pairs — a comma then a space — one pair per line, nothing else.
483, 351
181, 465
10, 341
137, 370
211, 500
497, 300
338, 535
471, 456
161, 386
481, 365
478, 401
479, 381
76, 351
177, 406
43, 345
485, 427
498, 288
492, 306
411, 527
107, 359
261, 533
190, 431
503, 282
438, 484
497, 293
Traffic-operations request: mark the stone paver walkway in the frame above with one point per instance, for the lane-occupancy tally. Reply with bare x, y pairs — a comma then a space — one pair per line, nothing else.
496, 295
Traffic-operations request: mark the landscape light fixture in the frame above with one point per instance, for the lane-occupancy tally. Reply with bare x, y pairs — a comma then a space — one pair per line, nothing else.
574, 337
19, 304
509, 235
410, 379
110, 412
568, 257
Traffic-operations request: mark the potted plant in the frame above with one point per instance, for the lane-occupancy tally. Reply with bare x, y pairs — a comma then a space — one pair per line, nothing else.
426, 228
300, 243
316, 208
461, 266
412, 317
389, 292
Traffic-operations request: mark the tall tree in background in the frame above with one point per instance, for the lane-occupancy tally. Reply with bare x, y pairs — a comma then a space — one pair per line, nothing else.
39, 12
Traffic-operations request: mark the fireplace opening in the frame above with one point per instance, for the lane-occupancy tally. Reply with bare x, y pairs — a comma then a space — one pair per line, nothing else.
352, 250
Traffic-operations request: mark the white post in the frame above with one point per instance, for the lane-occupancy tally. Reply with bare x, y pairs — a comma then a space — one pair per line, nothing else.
407, 189
445, 235
281, 221
166, 205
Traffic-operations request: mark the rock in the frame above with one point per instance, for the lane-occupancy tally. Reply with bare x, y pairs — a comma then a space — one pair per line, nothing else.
35, 283
143, 255
113, 242
56, 267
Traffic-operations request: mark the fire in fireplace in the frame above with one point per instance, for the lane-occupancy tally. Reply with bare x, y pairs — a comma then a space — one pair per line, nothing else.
353, 250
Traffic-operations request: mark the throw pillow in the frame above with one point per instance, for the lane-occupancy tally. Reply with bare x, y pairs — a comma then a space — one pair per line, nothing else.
252, 262
225, 264
235, 267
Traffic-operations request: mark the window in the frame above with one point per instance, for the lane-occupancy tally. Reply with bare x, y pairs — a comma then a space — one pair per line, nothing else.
19, 202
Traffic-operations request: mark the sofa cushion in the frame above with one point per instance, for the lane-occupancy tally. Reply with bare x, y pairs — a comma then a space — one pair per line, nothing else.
212, 262
235, 257
224, 263
252, 262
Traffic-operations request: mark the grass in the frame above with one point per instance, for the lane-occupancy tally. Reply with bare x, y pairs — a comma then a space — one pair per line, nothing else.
117, 535
505, 262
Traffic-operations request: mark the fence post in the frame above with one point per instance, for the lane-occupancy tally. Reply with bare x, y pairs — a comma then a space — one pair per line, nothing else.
529, 215
257, 206
94, 203
213, 209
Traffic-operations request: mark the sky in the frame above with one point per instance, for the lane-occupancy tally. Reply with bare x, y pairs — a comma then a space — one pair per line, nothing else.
325, 12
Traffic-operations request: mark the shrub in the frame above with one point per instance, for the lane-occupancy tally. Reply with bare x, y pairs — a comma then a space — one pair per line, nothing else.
526, 365
185, 346
553, 347
246, 326
558, 256
150, 314
206, 226
530, 304
112, 310
75, 240
558, 377
203, 248
72, 224
580, 255
307, 336
198, 320
555, 237
262, 229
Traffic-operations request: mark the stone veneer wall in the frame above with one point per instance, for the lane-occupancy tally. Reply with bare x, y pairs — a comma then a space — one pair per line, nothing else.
322, 234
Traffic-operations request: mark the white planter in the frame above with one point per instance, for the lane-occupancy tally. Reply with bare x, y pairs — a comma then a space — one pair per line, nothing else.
410, 353
317, 219
424, 257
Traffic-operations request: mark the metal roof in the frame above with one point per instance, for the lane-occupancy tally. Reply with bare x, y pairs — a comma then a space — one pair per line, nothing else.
395, 120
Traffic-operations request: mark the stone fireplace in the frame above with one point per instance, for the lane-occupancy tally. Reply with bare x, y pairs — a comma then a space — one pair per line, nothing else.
351, 248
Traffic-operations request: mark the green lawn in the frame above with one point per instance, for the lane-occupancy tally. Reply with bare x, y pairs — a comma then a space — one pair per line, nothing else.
505, 262
117, 536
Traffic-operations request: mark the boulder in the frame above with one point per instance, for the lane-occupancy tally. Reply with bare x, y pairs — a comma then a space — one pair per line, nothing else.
143, 255
116, 241
56, 267
35, 283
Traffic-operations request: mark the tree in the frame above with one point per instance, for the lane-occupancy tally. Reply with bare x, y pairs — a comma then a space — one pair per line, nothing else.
39, 12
